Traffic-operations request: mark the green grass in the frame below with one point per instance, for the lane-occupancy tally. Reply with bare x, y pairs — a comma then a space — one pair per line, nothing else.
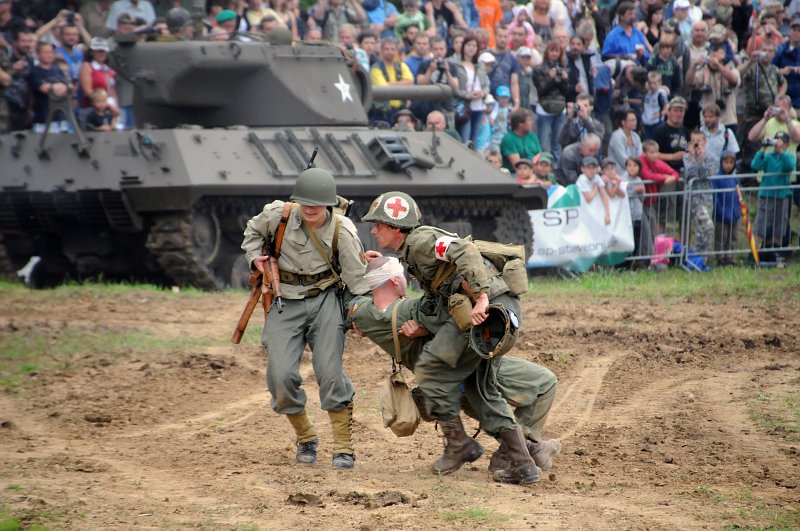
26, 352
473, 516
674, 284
91, 290
777, 413
755, 514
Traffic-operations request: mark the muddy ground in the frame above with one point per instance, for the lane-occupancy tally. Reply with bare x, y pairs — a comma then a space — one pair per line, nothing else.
136, 412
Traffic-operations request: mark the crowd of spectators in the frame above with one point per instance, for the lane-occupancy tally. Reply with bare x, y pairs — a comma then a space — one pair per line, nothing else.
566, 79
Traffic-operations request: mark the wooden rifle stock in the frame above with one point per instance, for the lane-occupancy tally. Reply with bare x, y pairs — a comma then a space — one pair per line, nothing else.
274, 280
256, 280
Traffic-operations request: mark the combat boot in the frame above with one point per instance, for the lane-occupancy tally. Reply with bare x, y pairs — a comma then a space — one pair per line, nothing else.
522, 468
460, 448
342, 422
544, 451
500, 459
306, 438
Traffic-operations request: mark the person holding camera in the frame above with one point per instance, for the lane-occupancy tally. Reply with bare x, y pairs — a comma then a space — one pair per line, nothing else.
777, 163
778, 118
716, 81
762, 83
551, 79
135, 8
580, 121
698, 167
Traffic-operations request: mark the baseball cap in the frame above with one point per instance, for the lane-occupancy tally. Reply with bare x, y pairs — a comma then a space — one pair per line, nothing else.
99, 44
544, 156
526, 162
524, 51
225, 15
795, 20
782, 135
125, 18
677, 101
681, 4
717, 33
589, 161
608, 161
486, 57
503, 91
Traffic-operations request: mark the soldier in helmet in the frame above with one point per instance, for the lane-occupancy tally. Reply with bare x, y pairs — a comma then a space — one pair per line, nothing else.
313, 308
179, 24
448, 269
526, 386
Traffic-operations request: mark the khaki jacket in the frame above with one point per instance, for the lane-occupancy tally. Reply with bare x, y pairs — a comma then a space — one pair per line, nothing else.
298, 253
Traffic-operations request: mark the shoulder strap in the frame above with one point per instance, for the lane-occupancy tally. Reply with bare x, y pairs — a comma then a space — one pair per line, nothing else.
380, 64
725, 145
320, 248
445, 270
335, 242
395, 336
287, 210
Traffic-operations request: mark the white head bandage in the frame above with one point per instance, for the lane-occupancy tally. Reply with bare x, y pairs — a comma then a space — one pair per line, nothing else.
391, 269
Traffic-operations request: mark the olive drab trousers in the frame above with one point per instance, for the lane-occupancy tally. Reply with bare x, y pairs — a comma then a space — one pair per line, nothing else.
318, 322
446, 363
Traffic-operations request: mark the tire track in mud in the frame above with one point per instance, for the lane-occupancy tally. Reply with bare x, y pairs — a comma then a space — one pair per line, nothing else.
574, 406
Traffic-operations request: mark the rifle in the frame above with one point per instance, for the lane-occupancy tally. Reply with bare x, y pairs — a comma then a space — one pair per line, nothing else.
271, 289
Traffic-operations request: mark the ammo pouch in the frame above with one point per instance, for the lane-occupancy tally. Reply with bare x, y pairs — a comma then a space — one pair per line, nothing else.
460, 307
510, 260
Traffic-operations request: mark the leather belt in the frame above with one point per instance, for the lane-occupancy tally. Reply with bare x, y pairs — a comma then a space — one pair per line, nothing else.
295, 279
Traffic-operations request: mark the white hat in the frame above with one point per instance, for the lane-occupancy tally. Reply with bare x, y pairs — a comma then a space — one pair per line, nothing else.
489, 99
486, 57
99, 44
524, 51
681, 4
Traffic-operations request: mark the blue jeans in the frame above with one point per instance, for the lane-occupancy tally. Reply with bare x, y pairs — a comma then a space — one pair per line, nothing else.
469, 131
548, 127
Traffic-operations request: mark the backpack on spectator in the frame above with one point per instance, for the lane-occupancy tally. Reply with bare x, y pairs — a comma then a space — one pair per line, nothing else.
603, 86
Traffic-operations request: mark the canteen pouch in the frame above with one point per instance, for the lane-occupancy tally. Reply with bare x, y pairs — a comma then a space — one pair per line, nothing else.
460, 307
515, 276
399, 411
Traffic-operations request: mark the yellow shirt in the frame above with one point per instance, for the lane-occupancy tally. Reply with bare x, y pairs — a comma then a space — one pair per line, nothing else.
379, 79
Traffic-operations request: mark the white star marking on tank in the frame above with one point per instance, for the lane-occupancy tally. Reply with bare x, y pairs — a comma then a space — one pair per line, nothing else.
344, 88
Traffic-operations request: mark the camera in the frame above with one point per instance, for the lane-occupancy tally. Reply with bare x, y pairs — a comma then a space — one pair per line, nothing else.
761, 55
71, 17
577, 107
776, 111
768, 142
559, 71
440, 65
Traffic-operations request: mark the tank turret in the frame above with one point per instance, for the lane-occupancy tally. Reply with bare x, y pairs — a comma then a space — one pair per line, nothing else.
222, 129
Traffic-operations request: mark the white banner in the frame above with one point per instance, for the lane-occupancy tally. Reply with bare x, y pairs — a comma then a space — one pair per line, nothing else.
572, 233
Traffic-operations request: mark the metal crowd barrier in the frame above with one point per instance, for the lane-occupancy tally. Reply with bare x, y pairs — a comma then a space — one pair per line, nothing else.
680, 212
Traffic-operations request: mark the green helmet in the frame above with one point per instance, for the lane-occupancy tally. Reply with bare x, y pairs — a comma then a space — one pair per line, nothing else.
315, 187
497, 334
395, 209
178, 18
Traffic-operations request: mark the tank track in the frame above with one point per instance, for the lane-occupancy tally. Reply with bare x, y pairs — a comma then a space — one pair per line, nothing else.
7, 270
170, 243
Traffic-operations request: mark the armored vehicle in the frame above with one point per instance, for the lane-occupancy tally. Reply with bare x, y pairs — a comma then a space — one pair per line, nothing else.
222, 129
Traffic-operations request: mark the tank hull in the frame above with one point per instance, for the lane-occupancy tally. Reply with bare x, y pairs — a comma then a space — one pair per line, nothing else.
169, 205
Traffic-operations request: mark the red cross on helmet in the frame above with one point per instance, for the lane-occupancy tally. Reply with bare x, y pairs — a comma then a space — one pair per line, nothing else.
395, 209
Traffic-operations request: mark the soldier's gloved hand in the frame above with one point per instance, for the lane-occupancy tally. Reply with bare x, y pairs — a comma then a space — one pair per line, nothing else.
478, 314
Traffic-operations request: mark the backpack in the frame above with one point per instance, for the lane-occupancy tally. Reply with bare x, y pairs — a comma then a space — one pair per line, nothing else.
603, 85
507, 258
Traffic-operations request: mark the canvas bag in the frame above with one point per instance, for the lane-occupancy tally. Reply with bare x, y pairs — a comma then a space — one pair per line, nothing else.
399, 411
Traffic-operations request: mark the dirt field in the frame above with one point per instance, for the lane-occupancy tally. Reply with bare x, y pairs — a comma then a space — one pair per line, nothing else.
669, 414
